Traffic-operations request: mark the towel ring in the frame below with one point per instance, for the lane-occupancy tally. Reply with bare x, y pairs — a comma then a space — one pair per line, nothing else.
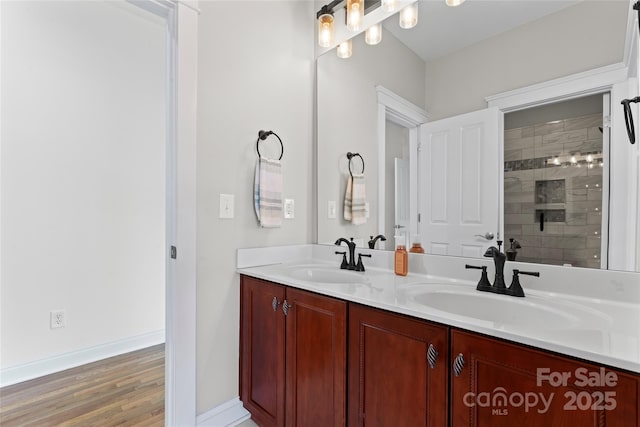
350, 156
262, 135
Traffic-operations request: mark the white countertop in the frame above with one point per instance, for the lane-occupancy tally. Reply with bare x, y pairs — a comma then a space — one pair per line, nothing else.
587, 326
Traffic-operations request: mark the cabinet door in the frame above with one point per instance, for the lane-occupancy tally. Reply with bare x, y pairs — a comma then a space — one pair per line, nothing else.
316, 360
505, 384
262, 351
391, 382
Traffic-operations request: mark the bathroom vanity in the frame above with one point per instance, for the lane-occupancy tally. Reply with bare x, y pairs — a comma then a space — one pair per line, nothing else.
322, 346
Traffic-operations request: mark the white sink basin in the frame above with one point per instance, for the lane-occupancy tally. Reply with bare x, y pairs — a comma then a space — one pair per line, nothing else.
504, 311
326, 275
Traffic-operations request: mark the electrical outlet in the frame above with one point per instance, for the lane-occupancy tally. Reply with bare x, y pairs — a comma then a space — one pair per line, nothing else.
288, 209
58, 319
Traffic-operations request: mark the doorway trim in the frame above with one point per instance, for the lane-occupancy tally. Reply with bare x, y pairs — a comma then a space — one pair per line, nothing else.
398, 110
616, 79
180, 300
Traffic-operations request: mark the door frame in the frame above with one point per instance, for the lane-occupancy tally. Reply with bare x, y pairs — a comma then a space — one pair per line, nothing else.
617, 80
181, 19
398, 110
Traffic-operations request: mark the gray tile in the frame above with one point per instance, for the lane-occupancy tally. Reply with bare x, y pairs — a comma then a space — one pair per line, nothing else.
583, 146
594, 194
594, 242
594, 218
512, 134
512, 208
582, 230
574, 136
579, 218
576, 194
534, 230
585, 255
512, 155
559, 173
593, 120
512, 230
518, 219
519, 144
512, 185
563, 242
594, 133
547, 128
528, 131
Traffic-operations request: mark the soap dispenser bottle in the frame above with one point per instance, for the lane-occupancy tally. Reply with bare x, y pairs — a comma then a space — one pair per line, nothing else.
401, 257
512, 252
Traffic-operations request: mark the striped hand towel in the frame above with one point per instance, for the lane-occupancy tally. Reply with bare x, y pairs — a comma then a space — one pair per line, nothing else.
256, 189
355, 200
358, 200
270, 193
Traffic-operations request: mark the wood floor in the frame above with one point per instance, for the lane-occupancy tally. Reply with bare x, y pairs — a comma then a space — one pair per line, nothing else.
124, 390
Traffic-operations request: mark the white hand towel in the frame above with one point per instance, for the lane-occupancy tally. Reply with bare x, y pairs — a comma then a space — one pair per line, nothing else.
270, 193
348, 198
256, 189
358, 200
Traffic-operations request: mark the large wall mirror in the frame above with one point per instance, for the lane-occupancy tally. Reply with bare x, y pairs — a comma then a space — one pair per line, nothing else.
539, 171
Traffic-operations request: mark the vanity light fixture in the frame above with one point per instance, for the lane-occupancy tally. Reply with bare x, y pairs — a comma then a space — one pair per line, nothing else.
355, 14
373, 35
409, 16
389, 5
325, 27
454, 3
344, 49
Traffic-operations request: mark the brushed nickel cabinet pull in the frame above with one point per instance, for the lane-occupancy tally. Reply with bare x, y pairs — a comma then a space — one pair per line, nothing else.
458, 364
275, 303
432, 356
286, 307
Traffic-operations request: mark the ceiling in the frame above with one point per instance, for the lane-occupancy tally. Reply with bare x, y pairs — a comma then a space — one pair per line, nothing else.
442, 29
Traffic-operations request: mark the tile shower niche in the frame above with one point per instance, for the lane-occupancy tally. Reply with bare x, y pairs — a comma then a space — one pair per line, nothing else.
553, 190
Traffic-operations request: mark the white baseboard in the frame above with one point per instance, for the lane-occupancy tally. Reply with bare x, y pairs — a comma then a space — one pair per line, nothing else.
60, 362
228, 414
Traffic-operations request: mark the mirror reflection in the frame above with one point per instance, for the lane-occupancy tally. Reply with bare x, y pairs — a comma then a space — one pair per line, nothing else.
375, 103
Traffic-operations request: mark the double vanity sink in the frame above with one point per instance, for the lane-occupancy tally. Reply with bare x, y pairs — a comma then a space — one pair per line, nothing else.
591, 328
345, 338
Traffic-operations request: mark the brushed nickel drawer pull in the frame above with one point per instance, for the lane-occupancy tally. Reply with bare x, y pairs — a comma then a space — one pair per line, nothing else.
432, 356
275, 303
458, 364
286, 307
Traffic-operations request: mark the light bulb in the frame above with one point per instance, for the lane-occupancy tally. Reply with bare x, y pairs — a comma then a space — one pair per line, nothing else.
355, 14
373, 35
409, 16
344, 50
556, 161
574, 160
454, 3
325, 30
389, 5
589, 158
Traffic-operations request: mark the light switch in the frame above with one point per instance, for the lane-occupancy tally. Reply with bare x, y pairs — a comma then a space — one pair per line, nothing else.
288, 209
331, 209
226, 206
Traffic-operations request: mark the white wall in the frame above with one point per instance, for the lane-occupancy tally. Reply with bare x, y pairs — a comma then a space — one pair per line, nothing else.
588, 35
83, 168
347, 121
256, 71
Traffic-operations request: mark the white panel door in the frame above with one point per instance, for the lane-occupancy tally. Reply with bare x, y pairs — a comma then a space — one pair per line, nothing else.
459, 163
401, 192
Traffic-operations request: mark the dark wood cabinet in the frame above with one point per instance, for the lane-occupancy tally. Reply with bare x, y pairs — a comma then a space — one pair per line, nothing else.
505, 384
293, 364
391, 380
404, 371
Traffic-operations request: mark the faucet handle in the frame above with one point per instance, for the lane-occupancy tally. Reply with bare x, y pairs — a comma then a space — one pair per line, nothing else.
360, 266
515, 289
528, 273
484, 284
344, 264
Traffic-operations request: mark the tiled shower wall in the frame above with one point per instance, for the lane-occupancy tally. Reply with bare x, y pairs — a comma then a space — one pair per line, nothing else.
574, 239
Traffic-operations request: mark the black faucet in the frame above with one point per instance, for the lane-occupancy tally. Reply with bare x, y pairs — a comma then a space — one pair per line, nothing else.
498, 260
351, 265
372, 242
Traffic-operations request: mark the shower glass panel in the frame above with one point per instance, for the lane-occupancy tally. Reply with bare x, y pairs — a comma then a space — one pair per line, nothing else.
553, 182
